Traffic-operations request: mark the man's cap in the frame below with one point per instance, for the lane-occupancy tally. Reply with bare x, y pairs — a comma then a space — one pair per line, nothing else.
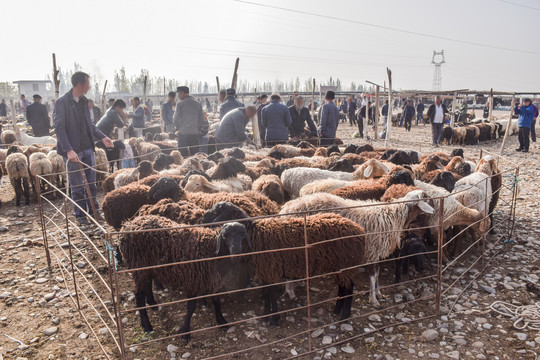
299, 97
231, 91
37, 96
183, 89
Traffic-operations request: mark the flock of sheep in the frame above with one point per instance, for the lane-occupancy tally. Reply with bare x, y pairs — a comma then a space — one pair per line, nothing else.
477, 131
354, 204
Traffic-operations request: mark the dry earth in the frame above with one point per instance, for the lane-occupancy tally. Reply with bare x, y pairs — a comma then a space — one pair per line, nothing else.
35, 307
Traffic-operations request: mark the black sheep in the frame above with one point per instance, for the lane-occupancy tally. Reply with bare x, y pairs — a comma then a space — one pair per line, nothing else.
165, 188
148, 137
447, 134
386, 155
343, 165
236, 153
444, 179
400, 158
225, 211
463, 169
470, 137
414, 156
410, 245
399, 177
457, 152
215, 156
364, 148
163, 161
194, 172
333, 149
350, 149
227, 167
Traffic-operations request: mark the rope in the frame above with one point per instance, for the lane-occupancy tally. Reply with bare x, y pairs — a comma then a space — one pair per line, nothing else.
111, 253
514, 180
527, 316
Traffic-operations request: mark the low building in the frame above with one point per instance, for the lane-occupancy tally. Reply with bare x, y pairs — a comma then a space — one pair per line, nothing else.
28, 88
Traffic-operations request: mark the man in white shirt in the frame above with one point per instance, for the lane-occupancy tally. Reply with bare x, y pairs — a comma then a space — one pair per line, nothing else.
435, 115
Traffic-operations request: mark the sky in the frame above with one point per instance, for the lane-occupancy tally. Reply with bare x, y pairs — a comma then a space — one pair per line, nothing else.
487, 43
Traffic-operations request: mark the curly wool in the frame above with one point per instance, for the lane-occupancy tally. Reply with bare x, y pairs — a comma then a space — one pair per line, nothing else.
361, 190
270, 186
294, 179
123, 203
397, 191
207, 201
182, 212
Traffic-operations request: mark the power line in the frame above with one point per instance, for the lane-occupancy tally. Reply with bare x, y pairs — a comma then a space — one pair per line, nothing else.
521, 5
386, 27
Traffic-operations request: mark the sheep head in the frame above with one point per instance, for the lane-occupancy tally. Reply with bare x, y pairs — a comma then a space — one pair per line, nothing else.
224, 211
487, 165
232, 237
371, 169
198, 183
417, 202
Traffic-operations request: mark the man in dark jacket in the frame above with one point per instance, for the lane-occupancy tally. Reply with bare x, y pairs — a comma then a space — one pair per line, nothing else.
76, 136
435, 114
263, 102
384, 112
362, 115
276, 120
137, 116
229, 104
189, 121
329, 119
3, 108
38, 117
420, 112
232, 128
167, 112
526, 118
351, 111
408, 114
300, 116
95, 112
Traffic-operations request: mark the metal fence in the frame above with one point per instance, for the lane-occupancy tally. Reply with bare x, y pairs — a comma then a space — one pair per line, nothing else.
100, 288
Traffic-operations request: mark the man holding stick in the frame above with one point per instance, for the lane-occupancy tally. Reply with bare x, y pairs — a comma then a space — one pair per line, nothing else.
76, 136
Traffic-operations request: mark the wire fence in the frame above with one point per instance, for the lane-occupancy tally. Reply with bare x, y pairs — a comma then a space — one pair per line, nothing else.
101, 287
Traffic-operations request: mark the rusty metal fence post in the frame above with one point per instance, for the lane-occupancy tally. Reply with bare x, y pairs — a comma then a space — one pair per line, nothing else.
485, 219
71, 254
308, 299
440, 256
115, 294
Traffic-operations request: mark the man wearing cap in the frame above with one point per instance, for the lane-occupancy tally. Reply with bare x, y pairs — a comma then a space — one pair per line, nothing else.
408, 114
189, 121
38, 117
229, 104
329, 119
167, 112
232, 128
276, 120
300, 116
525, 121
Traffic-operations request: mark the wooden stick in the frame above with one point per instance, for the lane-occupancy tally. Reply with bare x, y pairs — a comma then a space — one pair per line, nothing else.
144, 89
390, 106
235, 74
491, 103
55, 78
217, 96
376, 110
313, 100
453, 117
509, 123
366, 116
103, 98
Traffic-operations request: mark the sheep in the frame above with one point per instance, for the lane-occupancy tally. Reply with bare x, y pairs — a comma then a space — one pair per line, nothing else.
8, 137
145, 249
321, 151
444, 179
397, 191
410, 245
143, 150
182, 212
457, 152
3, 156
39, 165
271, 186
282, 151
454, 213
143, 170
235, 152
354, 159
325, 185
102, 165
177, 156
108, 183
428, 164
343, 165
17, 169
152, 179
123, 203
226, 168
253, 203
383, 224
165, 188
371, 169
442, 157
279, 233
216, 156
163, 162
488, 166
294, 179
364, 148
197, 183
471, 136
188, 165
458, 136
28, 140
361, 190
446, 137
148, 137
350, 149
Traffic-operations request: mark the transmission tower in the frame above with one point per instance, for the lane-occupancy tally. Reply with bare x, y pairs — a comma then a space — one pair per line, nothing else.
437, 60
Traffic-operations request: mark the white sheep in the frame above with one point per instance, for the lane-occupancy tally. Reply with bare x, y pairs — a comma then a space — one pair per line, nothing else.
58, 168
40, 165
28, 140
474, 191
294, 179
325, 186
383, 224
17, 169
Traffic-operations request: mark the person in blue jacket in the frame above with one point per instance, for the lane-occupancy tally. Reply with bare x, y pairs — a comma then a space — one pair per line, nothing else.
329, 120
525, 121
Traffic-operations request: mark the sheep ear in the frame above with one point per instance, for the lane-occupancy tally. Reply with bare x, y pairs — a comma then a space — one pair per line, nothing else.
425, 207
368, 171
218, 245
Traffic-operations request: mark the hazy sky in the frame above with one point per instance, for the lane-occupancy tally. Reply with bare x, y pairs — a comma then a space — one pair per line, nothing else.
200, 39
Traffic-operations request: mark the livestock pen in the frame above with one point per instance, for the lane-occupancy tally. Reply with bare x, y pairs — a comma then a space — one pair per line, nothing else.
84, 258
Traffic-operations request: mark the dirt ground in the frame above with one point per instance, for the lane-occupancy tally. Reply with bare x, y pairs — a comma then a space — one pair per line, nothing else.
35, 307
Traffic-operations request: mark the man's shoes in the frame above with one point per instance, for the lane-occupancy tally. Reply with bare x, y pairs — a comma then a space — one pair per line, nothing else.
525, 151
520, 149
82, 220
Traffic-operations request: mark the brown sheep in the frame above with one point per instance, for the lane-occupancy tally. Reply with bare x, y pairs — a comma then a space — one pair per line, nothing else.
321, 151
397, 191
270, 186
182, 212
178, 159
354, 158
361, 190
